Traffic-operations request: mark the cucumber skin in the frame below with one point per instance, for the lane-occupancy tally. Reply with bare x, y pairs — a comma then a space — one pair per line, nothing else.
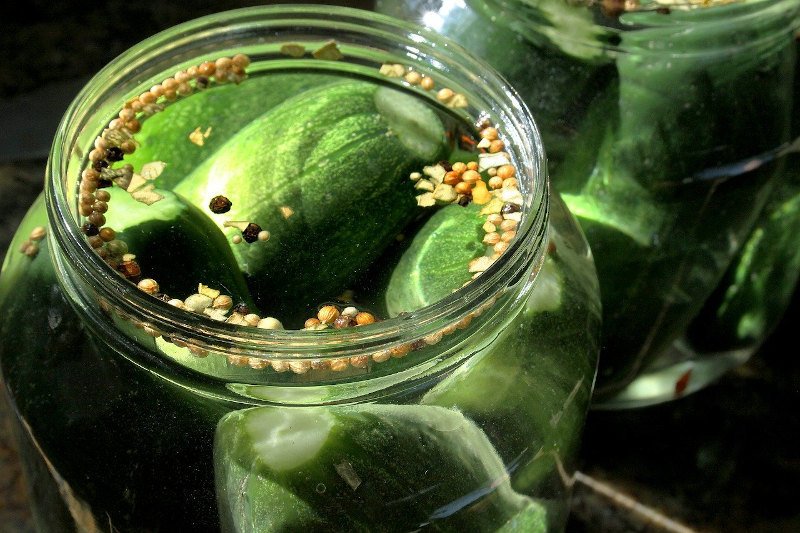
224, 109
437, 260
325, 151
416, 465
178, 245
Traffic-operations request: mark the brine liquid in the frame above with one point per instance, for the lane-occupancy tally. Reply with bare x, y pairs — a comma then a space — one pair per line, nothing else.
198, 131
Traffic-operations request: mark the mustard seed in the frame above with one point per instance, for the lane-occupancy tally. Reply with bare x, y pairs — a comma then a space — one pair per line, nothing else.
311, 322
414, 77
506, 171
489, 133
240, 60
496, 146
117, 247
96, 219
427, 83
463, 187
510, 183
495, 182
444, 94
471, 176
459, 167
107, 234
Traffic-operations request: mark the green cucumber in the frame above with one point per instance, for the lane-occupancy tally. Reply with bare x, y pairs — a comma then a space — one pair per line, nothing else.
177, 244
360, 468
220, 111
338, 157
437, 259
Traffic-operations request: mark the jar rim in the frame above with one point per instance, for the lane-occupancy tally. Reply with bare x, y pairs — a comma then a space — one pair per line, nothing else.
716, 28
74, 258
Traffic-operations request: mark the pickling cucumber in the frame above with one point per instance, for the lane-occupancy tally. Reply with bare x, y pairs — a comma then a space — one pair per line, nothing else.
326, 173
361, 468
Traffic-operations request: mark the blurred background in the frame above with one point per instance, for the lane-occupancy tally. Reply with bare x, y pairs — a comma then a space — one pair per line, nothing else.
723, 459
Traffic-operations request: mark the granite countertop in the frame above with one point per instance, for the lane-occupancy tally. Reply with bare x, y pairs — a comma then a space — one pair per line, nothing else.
724, 459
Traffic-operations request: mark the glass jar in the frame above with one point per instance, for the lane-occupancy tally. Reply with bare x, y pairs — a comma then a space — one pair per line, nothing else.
670, 134
137, 415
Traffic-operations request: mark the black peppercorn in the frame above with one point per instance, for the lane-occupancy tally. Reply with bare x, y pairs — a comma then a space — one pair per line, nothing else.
510, 208
446, 165
90, 229
201, 82
465, 199
241, 308
104, 183
114, 153
250, 233
220, 204
100, 164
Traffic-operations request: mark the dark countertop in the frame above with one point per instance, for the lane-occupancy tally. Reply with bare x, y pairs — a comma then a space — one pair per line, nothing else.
724, 459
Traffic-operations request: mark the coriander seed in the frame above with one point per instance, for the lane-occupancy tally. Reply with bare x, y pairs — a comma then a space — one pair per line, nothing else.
148, 285
364, 318
223, 302
327, 314
269, 323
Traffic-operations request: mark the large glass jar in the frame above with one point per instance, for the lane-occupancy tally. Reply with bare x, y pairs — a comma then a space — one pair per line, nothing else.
669, 133
136, 414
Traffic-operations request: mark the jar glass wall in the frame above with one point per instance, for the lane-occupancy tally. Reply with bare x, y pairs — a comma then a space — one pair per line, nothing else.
134, 411
670, 133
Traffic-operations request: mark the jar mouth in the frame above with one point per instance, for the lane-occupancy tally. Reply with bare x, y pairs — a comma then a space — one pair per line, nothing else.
377, 38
